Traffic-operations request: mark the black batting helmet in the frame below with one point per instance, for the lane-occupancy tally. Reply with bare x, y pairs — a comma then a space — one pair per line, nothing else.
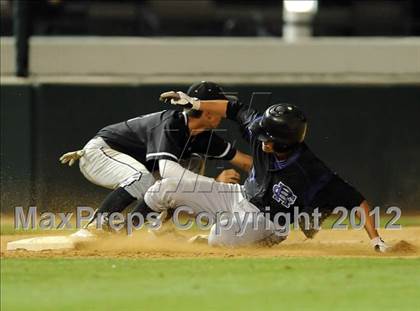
283, 124
205, 90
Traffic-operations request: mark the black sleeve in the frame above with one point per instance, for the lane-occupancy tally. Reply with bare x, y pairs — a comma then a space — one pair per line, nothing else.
165, 142
337, 193
220, 149
244, 115
213, 146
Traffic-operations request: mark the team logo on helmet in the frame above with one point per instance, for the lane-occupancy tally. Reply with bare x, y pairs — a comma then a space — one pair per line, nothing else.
283, 195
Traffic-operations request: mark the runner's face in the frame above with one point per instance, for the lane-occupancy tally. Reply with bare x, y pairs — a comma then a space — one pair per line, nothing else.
267, 146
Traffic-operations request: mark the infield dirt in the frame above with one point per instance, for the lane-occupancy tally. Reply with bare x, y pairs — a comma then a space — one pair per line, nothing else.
327, 243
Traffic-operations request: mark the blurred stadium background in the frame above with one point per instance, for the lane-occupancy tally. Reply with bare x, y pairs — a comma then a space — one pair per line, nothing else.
70, 67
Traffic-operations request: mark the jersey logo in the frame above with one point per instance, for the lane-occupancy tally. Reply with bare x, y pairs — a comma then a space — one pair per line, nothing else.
283, 195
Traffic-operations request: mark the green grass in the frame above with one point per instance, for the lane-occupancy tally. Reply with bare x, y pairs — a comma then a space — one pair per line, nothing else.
205, 284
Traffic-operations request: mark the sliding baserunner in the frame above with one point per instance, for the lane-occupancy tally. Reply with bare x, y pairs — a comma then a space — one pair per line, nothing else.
286, 177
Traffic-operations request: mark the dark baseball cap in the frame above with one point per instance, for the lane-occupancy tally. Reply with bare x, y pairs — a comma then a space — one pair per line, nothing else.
205, 90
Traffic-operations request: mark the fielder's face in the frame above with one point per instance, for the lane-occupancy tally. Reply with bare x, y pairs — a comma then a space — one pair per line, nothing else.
212, 120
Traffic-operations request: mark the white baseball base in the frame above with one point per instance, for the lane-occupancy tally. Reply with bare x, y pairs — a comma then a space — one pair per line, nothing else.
50, 242
41, 243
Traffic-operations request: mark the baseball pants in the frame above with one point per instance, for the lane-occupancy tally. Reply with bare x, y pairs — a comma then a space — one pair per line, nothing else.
241, 222
111, 169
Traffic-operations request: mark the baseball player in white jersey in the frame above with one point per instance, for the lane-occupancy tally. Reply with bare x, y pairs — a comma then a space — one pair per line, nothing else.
127, 157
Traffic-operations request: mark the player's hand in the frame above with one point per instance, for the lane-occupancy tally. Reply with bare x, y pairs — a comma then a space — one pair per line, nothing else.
180, 99
379, 245
71, 157
166, 97
229, 176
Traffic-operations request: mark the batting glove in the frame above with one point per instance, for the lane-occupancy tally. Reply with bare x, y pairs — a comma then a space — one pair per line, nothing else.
71, 157
180, 99
379, 245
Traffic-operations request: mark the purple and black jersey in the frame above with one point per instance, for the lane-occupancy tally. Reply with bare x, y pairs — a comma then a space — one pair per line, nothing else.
302, 180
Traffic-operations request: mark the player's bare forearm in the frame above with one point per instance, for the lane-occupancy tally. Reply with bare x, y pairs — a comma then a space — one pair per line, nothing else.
242, 161
376, 241
370, 223
215, 106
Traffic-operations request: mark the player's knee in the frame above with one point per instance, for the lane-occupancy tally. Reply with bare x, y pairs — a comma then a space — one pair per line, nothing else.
158, 197
152, 195
138, 184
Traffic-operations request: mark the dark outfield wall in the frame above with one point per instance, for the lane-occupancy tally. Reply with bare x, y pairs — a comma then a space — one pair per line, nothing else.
370, 135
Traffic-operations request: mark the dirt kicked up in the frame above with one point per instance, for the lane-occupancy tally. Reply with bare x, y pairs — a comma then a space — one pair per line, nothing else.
327, 243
